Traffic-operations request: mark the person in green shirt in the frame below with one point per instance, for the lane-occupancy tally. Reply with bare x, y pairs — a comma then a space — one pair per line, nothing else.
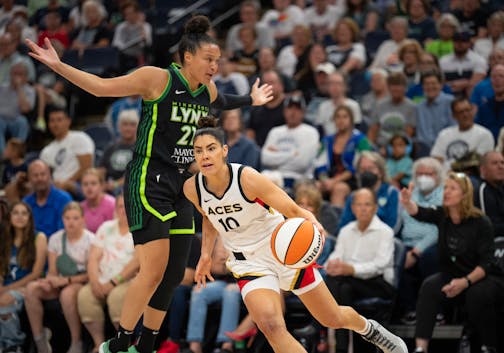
446, 26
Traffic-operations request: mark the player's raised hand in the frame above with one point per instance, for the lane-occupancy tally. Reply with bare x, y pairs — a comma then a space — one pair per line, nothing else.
261, 94
45, 55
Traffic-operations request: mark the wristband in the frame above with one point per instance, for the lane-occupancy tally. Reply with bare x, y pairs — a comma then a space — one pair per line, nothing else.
469, 282
119, 279
113, 283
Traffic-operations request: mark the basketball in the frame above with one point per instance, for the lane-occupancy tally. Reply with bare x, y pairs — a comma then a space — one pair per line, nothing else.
296, 243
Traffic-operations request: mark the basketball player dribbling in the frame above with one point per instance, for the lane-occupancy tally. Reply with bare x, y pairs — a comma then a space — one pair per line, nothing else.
244, 207
159, 216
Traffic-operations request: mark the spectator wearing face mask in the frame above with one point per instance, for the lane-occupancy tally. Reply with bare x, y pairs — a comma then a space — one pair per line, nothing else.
419, 237
372, 173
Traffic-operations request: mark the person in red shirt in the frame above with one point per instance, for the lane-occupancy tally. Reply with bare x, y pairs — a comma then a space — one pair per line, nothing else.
54, 29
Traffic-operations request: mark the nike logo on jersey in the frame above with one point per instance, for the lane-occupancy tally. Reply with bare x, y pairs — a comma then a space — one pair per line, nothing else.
207, 200
157, 177
179, 92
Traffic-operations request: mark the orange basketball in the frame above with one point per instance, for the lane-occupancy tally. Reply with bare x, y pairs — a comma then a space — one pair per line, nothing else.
296, 243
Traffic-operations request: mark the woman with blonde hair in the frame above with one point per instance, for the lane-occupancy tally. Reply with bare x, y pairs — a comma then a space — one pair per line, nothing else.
410, 52
97, 205
468, 275
68, 253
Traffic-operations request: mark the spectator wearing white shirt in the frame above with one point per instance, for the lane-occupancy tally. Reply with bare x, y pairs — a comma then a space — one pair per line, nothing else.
249, 15
348, 55
69, 154
455, 142
132, 36
495, 39
291, 148
463, 68
293, 58
387, 51
361, 264
322, 17
337, 97
282, 19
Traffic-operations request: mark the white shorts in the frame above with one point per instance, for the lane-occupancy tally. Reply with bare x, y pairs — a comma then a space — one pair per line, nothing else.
260, 270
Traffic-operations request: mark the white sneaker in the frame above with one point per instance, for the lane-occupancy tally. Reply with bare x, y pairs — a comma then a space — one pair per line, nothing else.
384, 339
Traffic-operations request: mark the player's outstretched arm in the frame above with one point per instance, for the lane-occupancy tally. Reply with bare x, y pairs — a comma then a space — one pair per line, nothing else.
148, 81
255, 185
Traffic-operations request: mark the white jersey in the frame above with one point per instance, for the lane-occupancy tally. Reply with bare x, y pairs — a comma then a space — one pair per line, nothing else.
244, 225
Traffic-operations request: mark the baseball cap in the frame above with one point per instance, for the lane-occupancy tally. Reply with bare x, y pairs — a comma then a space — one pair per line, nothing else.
462, 36
326, 67
295, 100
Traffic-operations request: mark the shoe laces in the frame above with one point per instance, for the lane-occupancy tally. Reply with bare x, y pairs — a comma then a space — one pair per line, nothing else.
380, 339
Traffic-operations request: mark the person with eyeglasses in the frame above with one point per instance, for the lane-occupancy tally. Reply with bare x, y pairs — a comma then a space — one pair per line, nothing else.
467, 273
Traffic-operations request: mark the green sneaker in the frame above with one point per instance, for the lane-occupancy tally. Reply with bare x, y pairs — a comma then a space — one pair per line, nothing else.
104, 347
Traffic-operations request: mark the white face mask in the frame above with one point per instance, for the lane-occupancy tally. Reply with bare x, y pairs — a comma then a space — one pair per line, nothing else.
425, 183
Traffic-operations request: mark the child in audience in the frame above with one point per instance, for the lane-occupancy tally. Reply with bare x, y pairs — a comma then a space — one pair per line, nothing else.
399, 162
98, 206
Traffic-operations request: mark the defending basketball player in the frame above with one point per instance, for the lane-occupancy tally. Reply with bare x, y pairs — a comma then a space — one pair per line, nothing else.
245, 207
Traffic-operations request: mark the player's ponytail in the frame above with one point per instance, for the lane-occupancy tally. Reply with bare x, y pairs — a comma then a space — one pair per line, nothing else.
195, 34
207, 125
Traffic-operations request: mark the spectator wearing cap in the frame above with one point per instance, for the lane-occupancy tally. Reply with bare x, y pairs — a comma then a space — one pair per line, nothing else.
463, 69
7, 12
118, 154
489, 194
337, 96
434, 113
490, 113
320, 92
291, 148
377, 94
455, 142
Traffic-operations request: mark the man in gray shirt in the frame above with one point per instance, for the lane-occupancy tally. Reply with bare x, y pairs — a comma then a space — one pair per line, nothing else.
395, 114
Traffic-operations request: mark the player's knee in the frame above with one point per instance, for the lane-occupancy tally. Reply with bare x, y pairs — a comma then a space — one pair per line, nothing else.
271, 326
151, 278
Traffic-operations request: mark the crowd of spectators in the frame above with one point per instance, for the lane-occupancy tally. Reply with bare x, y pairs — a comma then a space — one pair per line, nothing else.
376, 95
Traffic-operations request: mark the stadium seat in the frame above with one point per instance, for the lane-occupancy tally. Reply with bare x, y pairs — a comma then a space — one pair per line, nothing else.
102, 136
